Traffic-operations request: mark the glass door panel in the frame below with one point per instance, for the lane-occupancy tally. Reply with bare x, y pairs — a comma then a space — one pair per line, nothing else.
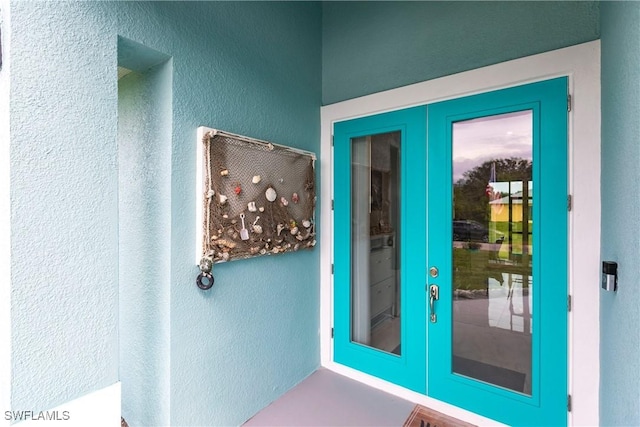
492, 246
375, 245
380, 230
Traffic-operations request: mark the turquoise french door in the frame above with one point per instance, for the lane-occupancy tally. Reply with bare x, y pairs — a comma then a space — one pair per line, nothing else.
379, 249
497, 233
450, 250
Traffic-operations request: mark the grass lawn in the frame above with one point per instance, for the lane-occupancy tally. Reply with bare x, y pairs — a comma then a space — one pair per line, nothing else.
501, 229
472, 268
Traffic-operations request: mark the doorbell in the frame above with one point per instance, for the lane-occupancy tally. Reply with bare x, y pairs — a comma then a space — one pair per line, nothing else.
609, 276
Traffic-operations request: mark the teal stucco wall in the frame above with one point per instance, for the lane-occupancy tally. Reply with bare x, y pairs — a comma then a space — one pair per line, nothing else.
64, 203
248, 68
144, 172
373, 46
619, 312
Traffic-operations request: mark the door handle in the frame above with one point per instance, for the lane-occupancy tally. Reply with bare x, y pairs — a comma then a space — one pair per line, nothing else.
434, 294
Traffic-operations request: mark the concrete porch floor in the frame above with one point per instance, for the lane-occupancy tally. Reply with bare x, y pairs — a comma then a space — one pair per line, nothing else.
328, 399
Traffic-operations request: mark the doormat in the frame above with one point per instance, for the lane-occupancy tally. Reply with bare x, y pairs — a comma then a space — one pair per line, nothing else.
425, 417
502, 377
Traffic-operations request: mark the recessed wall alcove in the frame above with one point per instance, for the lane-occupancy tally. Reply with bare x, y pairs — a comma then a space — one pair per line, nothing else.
144, 209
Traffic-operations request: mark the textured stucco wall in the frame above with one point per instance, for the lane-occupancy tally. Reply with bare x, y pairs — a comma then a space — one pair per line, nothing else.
249, 68
5, 220
619, 312
253, 69
144, 162
373, 46
64, 223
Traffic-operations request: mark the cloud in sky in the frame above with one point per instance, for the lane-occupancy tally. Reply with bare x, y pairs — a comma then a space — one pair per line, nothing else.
478, 140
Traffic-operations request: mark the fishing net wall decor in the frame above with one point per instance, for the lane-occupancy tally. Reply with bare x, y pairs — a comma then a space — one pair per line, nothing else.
258, 198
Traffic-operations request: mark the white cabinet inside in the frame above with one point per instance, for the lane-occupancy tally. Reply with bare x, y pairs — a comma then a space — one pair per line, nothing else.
383, 281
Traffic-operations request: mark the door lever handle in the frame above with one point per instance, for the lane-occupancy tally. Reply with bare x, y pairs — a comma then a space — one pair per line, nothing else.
434, 294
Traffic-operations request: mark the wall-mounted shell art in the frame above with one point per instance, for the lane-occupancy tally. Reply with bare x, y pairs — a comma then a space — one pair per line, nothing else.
255, 197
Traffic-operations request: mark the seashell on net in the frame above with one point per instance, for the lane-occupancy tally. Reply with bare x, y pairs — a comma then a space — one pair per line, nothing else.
271, 194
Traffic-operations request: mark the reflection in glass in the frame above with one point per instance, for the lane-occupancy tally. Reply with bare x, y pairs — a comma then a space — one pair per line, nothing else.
375, 213
492, 248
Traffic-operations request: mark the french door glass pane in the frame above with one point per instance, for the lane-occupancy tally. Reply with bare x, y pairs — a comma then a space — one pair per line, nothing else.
492, 248
375, 246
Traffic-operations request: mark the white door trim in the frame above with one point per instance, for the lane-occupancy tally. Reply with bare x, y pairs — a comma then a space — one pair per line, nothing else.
581, 63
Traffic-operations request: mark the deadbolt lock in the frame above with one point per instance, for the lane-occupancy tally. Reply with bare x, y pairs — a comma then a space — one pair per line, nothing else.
433, 272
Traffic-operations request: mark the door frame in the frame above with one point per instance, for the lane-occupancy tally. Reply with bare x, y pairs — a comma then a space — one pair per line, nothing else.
581, 64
